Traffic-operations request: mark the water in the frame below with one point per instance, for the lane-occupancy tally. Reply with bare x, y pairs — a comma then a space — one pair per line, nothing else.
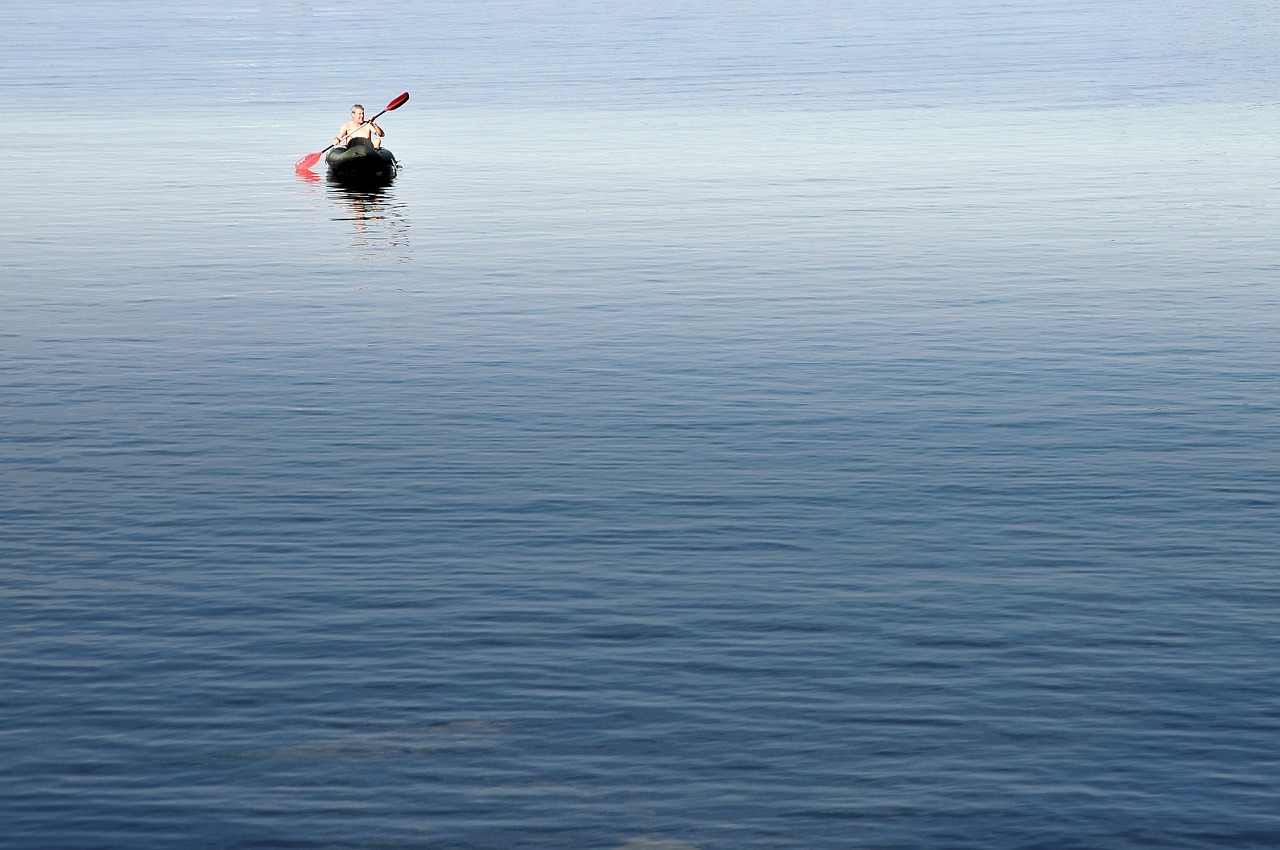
739, 426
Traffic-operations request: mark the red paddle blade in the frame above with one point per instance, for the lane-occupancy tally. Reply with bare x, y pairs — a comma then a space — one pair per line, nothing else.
397, 103
307, 162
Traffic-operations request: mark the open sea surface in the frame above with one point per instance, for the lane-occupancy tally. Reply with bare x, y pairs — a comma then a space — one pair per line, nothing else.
741, 426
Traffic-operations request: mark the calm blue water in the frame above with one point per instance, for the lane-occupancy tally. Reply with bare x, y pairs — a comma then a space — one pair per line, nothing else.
739, 426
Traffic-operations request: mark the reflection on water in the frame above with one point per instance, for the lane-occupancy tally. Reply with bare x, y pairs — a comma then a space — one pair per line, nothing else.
377, 217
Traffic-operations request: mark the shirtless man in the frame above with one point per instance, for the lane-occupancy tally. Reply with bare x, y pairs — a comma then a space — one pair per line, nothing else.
356, 129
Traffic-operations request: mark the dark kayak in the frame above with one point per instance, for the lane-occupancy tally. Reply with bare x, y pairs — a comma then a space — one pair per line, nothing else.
359, 162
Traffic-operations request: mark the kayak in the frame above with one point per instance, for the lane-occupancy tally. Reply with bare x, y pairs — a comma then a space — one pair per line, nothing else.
360, 162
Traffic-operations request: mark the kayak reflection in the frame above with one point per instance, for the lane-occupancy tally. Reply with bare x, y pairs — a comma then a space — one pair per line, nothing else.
378, 218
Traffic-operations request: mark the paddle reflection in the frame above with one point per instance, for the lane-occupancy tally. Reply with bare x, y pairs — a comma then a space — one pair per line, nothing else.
378, 219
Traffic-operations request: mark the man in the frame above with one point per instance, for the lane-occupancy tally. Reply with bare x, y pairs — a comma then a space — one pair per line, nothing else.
357, 129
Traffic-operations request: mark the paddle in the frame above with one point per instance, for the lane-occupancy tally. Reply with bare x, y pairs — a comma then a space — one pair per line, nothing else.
308, 162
